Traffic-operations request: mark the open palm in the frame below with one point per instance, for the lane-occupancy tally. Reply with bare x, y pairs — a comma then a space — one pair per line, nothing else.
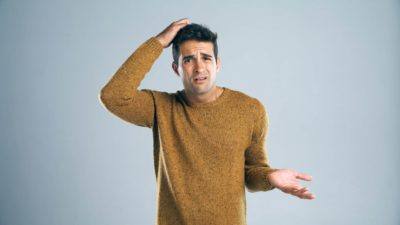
287, 181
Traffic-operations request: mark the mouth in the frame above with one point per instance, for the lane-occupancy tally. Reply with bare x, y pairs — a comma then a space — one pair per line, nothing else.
200, 79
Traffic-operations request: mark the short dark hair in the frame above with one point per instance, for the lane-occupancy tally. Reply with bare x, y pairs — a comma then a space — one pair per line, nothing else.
193, 32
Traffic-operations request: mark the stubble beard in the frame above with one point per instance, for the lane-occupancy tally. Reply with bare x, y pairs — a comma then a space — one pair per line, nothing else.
208, 87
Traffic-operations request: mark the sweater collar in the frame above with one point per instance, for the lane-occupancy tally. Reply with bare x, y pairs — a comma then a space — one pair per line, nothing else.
220, 99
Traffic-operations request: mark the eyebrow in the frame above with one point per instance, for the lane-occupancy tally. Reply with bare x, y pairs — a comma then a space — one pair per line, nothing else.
192, 56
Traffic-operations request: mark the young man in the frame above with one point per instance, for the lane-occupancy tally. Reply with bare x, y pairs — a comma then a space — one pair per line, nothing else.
209, 141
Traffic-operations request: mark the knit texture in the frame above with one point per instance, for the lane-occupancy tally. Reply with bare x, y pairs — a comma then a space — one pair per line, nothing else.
204, 154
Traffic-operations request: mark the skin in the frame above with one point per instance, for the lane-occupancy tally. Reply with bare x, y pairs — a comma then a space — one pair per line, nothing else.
197, 60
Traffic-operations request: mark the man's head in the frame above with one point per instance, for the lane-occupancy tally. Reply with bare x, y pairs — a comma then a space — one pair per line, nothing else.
196, 61
194, 32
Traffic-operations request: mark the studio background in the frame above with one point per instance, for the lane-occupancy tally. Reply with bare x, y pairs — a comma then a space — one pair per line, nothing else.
328, 73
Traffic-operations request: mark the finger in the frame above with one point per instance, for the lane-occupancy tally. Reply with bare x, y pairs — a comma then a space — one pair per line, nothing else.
167, 35
306, 195
303, 176
183, 20
302, 190
177, 25
181, 23
295, 187
299, 191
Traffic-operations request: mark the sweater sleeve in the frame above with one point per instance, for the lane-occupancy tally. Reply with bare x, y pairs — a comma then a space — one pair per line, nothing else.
121, 95
256, 163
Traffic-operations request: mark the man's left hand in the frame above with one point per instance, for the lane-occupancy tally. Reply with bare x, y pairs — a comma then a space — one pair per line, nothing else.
287, 181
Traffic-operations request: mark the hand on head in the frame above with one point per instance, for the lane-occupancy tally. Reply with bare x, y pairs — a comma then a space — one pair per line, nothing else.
169, 33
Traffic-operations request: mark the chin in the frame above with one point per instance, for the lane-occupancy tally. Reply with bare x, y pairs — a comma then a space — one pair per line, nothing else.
200, 90
203, 90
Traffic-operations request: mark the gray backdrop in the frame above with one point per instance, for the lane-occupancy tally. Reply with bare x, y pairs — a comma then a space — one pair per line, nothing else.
328, 73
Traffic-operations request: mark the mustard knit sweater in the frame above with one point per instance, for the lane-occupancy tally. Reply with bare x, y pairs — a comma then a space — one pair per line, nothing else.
204, 154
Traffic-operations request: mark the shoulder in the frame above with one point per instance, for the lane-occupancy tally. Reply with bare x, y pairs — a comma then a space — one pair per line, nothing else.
164, 98
244, 100
159, 95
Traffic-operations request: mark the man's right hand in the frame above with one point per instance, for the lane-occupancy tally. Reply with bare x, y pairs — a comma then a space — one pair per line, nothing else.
168, 34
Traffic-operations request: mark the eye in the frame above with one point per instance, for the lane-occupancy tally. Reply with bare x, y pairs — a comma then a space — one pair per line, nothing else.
186, 60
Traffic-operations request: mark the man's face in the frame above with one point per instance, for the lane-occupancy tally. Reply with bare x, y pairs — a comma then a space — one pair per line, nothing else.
197, 67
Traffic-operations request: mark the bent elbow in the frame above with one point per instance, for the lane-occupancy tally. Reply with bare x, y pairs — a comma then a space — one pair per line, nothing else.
104, 98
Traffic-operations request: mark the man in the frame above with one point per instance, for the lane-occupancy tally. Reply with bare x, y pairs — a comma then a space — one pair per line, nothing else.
209, 141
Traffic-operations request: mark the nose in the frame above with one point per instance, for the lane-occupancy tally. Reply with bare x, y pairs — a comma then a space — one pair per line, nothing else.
200, 66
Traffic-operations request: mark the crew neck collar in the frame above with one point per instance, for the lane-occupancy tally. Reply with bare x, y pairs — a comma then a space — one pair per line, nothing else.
225, 92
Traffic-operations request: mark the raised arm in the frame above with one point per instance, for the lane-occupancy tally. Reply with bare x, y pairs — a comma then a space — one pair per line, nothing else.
121, 95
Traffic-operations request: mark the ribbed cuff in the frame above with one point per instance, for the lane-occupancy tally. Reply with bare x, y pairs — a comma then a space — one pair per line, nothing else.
268, 186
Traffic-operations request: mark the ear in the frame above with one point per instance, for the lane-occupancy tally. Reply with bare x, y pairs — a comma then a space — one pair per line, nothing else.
218, 64
175, 68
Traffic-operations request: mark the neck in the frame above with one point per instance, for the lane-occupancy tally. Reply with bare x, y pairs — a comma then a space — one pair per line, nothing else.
204, 98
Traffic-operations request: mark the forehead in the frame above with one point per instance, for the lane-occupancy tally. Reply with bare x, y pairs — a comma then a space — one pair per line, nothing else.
192, 47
